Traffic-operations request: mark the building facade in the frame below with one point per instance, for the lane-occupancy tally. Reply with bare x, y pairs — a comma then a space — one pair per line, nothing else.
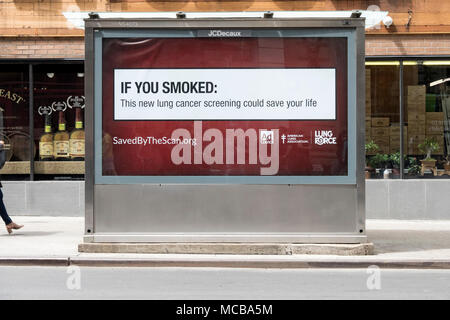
407, 100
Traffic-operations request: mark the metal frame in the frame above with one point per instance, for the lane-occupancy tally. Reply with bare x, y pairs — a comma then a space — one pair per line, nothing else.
350, 178
30, 116
353, 234
407, 58
89, 130
402, 121
42, 61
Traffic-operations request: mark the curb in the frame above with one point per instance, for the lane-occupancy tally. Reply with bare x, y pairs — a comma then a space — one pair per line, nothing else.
35, 262
282, 249
235, 263
264, 264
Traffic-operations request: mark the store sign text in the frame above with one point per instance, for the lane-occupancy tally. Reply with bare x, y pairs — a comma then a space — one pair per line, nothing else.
14, 97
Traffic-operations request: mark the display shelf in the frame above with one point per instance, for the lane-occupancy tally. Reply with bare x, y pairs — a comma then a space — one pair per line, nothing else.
59, 167
16, 167
44, 167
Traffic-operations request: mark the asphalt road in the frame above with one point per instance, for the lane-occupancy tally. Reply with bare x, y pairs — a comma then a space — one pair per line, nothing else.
216, 283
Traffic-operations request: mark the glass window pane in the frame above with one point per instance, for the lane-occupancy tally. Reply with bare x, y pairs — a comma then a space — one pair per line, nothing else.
382, 119
427, 112
15, 128
59, 121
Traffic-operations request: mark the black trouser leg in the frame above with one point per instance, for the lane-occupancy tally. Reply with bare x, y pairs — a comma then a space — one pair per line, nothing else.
3, 212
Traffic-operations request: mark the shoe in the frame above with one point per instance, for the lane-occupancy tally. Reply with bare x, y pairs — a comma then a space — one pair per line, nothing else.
12, 226
17, 226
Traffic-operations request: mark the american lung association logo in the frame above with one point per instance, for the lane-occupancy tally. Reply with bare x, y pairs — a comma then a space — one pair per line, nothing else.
322, 137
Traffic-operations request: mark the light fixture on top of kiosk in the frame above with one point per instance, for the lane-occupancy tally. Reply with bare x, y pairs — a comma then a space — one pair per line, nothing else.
181, 15
268, 15
355, 14
93, 15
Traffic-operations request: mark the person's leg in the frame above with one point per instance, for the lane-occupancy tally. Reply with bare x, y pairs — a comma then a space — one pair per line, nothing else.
3, 212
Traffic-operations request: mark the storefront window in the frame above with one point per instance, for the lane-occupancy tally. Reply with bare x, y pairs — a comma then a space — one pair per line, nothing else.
14, 120
382, 119
59, 121
427, 113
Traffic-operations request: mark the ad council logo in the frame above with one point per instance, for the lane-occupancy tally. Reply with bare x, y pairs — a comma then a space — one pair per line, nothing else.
324, 137
266, 137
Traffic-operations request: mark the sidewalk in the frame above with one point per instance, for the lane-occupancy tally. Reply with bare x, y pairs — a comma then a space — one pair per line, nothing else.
398, 244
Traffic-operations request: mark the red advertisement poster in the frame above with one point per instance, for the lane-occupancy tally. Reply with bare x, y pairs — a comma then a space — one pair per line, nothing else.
225, 107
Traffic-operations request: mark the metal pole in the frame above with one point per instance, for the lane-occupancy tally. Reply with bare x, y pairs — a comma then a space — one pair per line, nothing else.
402, 158
31, 122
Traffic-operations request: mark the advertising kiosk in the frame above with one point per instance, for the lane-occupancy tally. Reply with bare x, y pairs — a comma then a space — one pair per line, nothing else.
213, 127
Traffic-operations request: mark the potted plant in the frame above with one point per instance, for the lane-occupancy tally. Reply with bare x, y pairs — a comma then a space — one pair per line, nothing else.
379, 162
447, 163
428, 146
395, 161
371, 148
413, 167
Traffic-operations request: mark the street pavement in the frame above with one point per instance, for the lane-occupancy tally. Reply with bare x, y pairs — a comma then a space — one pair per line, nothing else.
398, 244
18, 282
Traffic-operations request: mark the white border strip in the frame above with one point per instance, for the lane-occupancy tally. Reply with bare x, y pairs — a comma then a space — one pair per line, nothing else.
373, 18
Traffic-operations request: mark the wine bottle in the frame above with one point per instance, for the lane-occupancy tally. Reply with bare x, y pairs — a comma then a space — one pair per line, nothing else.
61, 140
46, 141
77, 138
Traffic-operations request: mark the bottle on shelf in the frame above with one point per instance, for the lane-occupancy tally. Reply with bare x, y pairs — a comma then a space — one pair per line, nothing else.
61, 140
46, 141
77, 138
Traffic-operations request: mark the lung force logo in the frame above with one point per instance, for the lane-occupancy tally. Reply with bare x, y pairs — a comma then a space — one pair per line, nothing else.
324, 137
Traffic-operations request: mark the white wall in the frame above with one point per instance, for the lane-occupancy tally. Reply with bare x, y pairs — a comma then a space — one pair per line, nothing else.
408, 199
44, 198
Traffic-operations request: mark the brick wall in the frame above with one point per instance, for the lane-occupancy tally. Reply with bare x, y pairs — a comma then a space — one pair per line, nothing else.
48, 48
407, 45
45, 17
73, 47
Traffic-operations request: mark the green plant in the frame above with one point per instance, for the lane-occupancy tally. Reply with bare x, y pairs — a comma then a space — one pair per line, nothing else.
414, 170
428, 146
395, 159
413, 166
379, 160
371, 147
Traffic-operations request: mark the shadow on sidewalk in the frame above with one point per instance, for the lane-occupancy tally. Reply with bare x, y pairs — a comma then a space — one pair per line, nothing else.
391, 241
25, 233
